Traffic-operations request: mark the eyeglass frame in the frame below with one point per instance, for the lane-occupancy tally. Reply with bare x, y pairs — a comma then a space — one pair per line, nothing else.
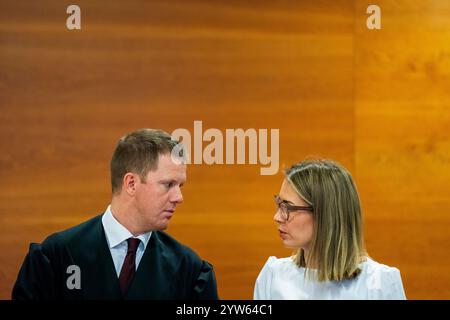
289, 208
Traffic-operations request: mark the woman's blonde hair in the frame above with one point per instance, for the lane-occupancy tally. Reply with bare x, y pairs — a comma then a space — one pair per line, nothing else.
337, 247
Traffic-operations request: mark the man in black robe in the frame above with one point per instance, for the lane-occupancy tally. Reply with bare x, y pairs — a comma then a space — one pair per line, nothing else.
123, 253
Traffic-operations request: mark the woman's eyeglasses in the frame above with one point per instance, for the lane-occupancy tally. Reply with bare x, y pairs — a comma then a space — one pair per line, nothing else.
285, 208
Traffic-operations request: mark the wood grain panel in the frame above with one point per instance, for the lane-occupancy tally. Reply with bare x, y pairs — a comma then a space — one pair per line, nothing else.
402, 140
377, 101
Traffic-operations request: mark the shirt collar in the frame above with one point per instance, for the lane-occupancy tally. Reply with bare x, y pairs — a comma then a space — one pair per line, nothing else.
117, 233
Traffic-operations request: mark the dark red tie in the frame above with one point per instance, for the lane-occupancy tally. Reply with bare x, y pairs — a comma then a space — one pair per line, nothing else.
129, 265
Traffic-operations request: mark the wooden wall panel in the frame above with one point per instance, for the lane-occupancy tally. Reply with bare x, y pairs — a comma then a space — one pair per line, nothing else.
402, 140
67, 96
307, 68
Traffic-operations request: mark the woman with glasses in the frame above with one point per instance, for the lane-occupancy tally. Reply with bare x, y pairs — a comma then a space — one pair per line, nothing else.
319, 216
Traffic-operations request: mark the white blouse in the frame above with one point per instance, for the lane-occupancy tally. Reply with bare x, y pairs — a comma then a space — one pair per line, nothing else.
282, 279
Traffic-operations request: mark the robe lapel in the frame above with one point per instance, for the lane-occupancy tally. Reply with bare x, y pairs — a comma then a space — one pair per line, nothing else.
101, 281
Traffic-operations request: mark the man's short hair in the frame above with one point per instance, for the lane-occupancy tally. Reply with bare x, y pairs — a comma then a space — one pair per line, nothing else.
138, 152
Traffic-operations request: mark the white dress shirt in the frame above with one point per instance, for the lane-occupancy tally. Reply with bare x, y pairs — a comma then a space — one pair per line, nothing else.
282, 279
117, 235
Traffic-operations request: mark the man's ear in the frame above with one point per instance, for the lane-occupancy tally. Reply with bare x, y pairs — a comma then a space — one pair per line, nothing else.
130, 180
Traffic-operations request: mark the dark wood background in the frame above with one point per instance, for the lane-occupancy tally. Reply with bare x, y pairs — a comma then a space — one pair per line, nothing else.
376, 101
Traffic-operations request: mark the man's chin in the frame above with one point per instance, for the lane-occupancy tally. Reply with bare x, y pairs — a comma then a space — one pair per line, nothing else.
162, 227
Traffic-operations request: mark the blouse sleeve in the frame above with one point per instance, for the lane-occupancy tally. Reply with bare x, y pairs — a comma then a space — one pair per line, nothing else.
397, 291
389, 285
264, 281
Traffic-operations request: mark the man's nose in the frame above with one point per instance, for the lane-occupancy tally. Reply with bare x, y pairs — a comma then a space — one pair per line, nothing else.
176, 195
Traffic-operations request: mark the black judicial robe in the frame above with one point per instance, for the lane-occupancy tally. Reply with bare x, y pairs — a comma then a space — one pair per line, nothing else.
167, 270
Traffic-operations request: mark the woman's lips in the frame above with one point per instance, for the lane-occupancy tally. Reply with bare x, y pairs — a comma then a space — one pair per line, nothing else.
283, 234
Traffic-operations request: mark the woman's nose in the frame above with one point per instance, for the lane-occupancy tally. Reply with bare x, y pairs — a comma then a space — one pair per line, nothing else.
277, 217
